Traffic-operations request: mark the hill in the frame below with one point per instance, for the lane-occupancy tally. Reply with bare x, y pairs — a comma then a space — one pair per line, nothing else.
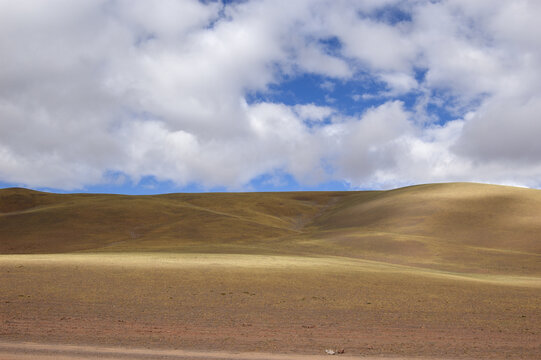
456, 226
37, 222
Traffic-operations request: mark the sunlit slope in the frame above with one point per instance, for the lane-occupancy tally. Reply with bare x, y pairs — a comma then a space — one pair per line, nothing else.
35, 222
473, 226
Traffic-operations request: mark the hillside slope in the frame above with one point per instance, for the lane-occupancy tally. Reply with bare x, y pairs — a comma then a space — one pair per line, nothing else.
36, 222
451, 226
456, 226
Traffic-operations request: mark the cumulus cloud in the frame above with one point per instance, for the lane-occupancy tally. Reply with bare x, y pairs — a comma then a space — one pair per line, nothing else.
164, 89
372, 143
312, 112
399, 83
503, 130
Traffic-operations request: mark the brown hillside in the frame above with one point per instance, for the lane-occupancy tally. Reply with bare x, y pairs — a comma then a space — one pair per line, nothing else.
457, 226
494, 228
481, 215
34, 222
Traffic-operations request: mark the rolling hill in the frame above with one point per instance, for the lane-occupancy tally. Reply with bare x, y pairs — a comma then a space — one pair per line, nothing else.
455, 226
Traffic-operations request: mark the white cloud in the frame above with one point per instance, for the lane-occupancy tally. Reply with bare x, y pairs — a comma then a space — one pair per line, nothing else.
371, 142
503, 130
312, 112
399, 83
314, 60
93, 87
379, 46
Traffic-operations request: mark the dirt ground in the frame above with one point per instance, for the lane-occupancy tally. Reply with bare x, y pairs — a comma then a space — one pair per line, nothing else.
32, 351
273, 306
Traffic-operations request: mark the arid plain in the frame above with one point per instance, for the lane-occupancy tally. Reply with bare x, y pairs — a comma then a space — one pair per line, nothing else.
441, 271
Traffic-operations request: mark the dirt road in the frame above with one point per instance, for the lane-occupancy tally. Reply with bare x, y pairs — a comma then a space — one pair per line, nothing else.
34, 351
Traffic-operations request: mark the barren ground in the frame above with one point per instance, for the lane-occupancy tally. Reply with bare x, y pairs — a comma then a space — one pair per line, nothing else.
268, 304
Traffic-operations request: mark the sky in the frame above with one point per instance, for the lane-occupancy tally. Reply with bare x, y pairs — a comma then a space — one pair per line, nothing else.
143, 97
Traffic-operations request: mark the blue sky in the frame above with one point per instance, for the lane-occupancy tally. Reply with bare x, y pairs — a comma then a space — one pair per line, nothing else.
268, 95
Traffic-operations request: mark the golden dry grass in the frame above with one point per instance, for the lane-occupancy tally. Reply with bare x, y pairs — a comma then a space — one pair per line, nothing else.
455, 227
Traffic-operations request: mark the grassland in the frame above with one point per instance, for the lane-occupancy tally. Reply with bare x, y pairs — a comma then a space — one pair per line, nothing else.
441, 271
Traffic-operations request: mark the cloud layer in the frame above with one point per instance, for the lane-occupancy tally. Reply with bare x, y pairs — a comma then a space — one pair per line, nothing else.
182, 90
